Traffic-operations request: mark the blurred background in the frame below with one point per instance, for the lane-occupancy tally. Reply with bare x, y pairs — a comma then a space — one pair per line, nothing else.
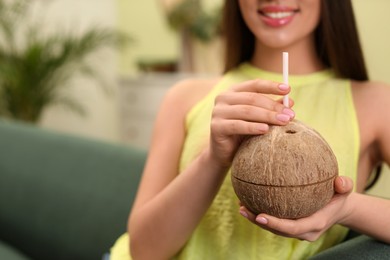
108, 63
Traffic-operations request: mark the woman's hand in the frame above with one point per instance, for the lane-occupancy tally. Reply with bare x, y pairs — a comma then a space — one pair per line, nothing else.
246, 109
312, 227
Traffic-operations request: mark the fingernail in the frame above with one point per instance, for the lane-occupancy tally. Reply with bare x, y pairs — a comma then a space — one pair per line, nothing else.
283, 87
342, 182
289, 112
244, 214
283, 117
261, 220
263, 127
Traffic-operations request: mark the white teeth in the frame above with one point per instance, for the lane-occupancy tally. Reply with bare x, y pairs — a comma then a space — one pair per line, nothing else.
279, 15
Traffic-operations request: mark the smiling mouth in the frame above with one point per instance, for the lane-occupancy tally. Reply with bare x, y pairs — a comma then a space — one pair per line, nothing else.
278, 15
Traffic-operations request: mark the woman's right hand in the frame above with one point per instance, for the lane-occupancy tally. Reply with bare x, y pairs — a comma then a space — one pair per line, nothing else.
247, 108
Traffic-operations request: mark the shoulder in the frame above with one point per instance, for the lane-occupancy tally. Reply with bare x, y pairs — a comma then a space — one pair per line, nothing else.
372, 101
169, 127
186, 93
371, 95
178, 101
371, 86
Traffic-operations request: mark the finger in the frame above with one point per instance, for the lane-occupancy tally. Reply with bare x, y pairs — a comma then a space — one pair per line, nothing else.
261, 221
288, 227
254, 114
249, 98
277, 224
281, 227
291, 102
252, 99
252, 218
343, 185
248, 214
238, 127
263, 86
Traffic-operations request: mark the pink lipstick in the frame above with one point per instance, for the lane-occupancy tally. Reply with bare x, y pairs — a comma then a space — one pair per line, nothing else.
277, 16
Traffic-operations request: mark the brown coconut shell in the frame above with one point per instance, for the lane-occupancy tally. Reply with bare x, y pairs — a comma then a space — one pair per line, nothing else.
287, 172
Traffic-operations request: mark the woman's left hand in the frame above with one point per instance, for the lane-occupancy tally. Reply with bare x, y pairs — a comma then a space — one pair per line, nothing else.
312, 227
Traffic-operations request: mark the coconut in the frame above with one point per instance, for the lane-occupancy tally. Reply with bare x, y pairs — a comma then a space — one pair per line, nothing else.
287, 173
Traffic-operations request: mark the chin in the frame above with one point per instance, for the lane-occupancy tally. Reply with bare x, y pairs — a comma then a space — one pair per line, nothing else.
283, 40
276, 43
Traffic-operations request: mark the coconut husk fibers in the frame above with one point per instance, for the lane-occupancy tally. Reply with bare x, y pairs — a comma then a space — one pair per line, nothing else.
287, 172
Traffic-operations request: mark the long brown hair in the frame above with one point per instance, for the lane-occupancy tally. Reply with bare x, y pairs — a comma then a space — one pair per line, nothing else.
336, 38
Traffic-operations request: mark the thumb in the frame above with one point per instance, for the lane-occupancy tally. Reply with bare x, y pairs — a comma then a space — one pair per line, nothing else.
343, 185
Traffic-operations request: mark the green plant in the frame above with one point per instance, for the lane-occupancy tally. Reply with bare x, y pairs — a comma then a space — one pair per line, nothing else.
189, 15
35, 69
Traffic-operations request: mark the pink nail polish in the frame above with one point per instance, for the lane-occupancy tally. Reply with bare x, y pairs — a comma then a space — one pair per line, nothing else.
244, 214
283, 87
342, 182
283, 117
288, 112
262, 220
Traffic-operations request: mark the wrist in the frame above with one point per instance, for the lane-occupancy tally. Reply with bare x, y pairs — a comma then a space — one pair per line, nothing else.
349, 209
208, 158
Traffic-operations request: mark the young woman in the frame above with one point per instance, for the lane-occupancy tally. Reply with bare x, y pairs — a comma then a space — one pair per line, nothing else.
186, 207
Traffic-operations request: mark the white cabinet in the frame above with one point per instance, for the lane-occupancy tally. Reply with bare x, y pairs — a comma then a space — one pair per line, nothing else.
140, 98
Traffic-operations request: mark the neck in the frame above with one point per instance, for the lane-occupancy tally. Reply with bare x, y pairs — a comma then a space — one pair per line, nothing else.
303, 58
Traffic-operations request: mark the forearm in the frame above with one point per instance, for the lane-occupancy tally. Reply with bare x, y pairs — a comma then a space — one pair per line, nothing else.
162, 226
369, 215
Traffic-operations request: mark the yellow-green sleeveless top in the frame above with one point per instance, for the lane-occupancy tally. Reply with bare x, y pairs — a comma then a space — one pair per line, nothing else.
321, 101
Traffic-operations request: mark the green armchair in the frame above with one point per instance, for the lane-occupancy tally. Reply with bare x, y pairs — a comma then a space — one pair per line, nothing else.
62, 196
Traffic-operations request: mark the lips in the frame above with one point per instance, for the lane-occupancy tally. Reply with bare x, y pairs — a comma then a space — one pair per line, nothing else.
277, 16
